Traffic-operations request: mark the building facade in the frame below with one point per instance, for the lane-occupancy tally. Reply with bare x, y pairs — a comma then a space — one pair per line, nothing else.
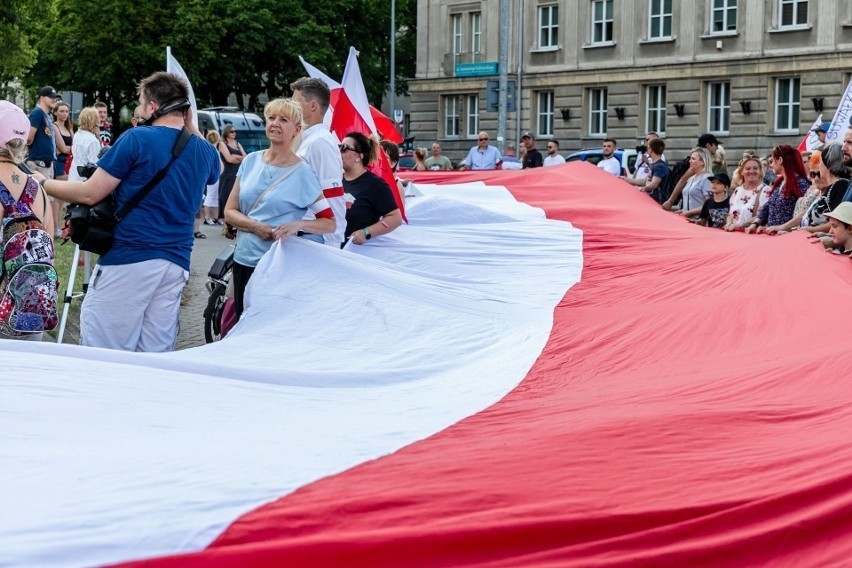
755, 73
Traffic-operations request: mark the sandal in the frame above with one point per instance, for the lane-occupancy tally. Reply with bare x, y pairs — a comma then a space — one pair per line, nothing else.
200, 235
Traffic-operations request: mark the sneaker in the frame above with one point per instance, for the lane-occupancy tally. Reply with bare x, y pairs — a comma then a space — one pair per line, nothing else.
209, 222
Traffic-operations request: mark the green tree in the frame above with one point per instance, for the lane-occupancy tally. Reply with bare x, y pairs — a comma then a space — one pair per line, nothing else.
247, 47
21, 23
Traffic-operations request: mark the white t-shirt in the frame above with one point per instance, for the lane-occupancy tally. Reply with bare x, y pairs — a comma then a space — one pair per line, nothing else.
611, 165
554, 160
85, 148
319, 149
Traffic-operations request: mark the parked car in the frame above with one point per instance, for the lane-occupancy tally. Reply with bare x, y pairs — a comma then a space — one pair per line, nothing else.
595, 155
406, 162
251, 132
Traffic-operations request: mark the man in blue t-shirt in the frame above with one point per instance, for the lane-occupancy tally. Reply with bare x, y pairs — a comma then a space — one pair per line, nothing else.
133, 300
41, 140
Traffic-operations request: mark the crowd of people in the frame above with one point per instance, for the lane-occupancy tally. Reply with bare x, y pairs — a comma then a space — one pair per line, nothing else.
169, 176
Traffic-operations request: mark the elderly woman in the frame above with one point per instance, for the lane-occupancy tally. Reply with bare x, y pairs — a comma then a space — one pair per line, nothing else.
697, 188
746, 197
87, 142
21, 199
791, 183
374, 211
831, 175
273, 191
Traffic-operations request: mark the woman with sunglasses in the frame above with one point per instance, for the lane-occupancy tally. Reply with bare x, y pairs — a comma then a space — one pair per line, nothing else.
374, 211
791, 183
831, 175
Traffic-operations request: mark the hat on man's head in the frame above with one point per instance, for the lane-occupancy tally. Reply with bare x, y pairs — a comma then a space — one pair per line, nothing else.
721, 178
842, 213
49, 92
705, 139
822, 127
13, 123
528, 135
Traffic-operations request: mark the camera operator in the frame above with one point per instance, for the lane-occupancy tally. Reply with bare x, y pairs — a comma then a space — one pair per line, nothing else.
642, 166
654, 183
133, 299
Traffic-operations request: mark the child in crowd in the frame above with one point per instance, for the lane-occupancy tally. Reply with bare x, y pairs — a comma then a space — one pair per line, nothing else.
714, 212
840, 231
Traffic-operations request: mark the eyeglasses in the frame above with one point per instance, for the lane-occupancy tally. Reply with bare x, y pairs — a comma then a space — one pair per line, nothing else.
344, 148
483, 139
813, 174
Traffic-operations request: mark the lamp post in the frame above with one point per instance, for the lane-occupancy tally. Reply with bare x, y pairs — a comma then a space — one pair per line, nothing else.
392, 95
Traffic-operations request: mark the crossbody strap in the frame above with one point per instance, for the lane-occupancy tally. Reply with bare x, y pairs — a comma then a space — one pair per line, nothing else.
181, 142
273, 184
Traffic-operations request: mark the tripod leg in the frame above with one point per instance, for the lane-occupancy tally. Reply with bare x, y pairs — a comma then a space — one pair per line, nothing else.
69, 291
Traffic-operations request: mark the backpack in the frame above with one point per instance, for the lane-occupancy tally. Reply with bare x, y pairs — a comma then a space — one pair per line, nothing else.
675, 173
28, 282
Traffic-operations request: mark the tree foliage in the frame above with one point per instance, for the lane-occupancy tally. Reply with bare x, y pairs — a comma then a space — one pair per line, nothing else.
21, 22
250, 48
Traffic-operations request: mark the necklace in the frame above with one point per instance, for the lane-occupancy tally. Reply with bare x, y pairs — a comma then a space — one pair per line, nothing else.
269, 165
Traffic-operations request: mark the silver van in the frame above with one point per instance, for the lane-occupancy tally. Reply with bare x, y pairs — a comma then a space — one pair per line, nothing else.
250, 129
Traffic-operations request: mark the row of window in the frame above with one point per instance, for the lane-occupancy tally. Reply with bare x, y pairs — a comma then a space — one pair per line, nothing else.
723, 20
718, 96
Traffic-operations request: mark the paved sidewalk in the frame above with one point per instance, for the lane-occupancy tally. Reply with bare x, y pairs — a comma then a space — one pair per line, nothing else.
195, 294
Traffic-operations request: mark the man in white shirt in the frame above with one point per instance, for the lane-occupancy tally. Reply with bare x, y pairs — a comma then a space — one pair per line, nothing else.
610, 163
482, 156
553, 157
319, 149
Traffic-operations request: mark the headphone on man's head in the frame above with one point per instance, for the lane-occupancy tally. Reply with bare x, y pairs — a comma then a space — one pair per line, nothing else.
162, 111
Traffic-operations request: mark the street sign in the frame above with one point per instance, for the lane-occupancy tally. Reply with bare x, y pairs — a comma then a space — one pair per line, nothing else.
398, 115
481, 69
492, 96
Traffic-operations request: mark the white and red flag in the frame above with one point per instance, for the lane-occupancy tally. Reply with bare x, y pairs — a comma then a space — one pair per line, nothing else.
351, 112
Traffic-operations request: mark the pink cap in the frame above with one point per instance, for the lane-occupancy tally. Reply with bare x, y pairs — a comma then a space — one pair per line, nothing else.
13, 123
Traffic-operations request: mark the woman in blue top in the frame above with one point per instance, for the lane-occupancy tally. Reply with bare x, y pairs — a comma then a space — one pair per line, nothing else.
273, 191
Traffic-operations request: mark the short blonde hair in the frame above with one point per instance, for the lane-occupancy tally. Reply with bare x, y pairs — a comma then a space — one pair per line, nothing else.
212, 137
90, 121
288, 107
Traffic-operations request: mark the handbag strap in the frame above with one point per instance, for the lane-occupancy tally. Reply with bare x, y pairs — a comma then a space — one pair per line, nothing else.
181, 142
271, 185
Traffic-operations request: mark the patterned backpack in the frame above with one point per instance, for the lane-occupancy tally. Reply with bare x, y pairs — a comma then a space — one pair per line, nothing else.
28, 283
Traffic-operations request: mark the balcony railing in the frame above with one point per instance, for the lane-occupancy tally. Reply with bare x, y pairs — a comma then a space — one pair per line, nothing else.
453, 59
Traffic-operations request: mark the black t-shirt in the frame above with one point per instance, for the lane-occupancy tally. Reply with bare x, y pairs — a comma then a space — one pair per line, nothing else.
533, 159
373, 200
715, 213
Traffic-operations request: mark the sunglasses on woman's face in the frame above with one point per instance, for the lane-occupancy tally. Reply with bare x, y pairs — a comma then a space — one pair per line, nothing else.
813, 174
344, 148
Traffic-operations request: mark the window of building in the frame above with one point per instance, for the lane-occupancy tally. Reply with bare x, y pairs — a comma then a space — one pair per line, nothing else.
787, 105
472, 116
456, 36
548, 27
655, 109
660, 19
718, 107
723, 16
601, 21
451, 116
475, 32
597, 111
792, 13
544, 113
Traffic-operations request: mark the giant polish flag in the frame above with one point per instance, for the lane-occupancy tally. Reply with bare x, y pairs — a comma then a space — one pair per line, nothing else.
545, 369
811, 141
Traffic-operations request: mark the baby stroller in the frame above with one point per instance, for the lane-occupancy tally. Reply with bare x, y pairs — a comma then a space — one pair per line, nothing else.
219, 315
